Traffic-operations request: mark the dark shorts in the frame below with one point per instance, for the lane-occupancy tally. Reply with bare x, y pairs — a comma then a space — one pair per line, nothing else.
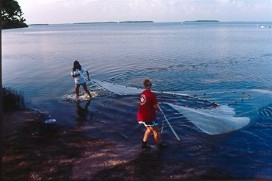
82, 83
149, 124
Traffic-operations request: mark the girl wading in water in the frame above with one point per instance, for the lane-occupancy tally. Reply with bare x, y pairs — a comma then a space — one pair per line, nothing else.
79, 78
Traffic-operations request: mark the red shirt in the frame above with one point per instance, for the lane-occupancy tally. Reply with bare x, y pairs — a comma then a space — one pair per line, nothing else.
146, 111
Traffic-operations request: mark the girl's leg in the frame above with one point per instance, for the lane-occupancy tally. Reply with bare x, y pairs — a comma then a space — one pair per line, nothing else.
86, 90
77, 90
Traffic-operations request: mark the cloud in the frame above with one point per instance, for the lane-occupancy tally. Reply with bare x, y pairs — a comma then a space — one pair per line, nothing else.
65, 11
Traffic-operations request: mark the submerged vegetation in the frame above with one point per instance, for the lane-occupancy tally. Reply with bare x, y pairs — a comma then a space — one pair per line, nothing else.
12, 15
12, 100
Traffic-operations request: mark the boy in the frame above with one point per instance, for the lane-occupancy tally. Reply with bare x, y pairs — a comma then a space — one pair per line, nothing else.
147, 115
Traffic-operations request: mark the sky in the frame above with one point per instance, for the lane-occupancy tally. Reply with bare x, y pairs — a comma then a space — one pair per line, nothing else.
75, 11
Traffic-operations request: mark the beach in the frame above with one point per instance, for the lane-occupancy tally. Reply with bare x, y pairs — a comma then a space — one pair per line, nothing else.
35, 151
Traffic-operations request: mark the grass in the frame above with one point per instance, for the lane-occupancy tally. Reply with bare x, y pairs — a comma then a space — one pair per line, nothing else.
12, 100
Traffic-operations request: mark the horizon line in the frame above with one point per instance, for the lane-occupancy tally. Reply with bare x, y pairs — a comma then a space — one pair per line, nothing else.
150, 21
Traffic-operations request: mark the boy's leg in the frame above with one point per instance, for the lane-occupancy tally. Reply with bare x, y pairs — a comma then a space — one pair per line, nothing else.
156, 134
157, 138
146, 135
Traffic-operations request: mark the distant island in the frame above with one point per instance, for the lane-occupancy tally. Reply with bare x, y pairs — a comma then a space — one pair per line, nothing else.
114, 22
136, 22
202, 21
38, 24
95, 22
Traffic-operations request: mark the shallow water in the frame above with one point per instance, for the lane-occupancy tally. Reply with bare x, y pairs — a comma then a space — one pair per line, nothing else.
226, 63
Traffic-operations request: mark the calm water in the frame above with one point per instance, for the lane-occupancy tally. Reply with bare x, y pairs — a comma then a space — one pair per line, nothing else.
226, 63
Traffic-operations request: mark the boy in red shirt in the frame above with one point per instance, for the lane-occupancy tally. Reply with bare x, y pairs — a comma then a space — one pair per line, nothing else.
147, 115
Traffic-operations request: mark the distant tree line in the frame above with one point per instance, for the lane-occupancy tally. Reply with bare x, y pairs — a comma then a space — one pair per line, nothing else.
12, 15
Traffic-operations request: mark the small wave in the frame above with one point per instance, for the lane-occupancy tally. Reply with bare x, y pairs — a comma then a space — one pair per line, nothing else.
262, 91
71, 97
266, 112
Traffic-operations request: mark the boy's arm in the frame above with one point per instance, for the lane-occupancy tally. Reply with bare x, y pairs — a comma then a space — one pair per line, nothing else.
155, 106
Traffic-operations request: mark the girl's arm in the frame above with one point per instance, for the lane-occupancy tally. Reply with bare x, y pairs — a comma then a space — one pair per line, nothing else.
88, 75
75, 74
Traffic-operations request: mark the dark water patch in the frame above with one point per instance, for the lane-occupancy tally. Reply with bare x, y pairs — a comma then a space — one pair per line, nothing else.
266, 112
267, 55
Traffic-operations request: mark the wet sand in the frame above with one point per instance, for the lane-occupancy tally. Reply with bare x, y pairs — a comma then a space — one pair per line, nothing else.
33, 150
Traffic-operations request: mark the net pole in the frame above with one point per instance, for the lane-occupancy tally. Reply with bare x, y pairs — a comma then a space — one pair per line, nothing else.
172, 129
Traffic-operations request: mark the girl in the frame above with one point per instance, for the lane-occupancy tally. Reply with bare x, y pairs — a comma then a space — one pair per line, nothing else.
79, 78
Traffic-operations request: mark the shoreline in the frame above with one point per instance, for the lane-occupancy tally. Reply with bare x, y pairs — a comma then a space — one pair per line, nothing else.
33, 150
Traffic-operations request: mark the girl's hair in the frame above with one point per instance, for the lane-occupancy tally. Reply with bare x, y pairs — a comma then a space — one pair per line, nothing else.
76, 66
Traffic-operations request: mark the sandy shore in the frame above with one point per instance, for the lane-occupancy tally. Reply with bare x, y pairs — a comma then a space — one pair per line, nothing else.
36, 151
33, 150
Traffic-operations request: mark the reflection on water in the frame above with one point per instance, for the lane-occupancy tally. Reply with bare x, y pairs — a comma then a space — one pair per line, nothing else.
83, 113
